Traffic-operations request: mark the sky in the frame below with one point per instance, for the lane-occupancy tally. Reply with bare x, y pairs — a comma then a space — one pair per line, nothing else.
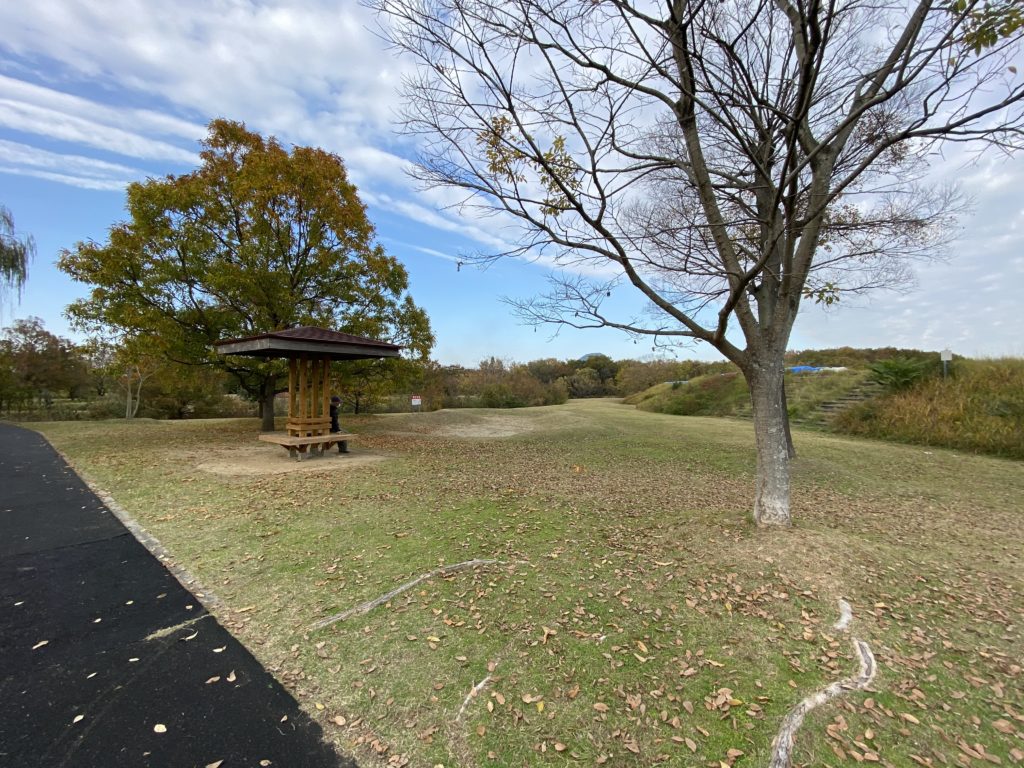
96, 95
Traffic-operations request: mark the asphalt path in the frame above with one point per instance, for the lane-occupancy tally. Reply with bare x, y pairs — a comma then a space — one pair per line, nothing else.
105, 658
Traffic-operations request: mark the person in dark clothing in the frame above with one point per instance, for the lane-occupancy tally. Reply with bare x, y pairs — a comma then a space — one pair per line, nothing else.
335, 407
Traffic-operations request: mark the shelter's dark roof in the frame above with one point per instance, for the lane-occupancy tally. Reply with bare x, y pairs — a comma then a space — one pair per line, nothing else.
307, 339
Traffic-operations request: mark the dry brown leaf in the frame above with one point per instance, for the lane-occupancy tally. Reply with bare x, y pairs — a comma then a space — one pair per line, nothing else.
1003, 726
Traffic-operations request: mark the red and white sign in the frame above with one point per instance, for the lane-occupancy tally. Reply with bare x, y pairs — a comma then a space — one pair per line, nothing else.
417, 401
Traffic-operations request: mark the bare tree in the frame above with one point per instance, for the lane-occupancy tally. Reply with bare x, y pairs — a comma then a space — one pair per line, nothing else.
726, 158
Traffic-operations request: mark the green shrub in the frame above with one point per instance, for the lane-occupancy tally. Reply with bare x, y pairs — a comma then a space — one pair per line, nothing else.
900, 373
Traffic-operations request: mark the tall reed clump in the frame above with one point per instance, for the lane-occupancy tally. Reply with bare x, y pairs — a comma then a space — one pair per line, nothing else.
979, 408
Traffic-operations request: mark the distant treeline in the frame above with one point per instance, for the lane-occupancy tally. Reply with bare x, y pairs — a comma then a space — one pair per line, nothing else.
498, 383
44, 376
848, 357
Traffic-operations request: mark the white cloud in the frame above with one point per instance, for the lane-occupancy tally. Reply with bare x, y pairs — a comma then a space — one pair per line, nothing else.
51, 123
83, 182
144, 120
273, 63
18, 154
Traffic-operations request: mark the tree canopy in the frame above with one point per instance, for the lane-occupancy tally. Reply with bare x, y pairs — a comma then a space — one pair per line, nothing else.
15, 253
726, 159
258, 238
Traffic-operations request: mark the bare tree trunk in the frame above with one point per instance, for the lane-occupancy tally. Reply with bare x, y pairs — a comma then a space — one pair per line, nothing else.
138, 396
771, 500
267, 405
128, 401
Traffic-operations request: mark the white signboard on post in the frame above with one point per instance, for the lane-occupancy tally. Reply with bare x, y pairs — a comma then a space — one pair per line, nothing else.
417, 401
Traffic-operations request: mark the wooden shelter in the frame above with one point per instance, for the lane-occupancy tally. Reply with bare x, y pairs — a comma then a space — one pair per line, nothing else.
309, 352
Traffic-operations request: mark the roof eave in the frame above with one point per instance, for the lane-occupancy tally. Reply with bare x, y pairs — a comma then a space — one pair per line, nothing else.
277, 347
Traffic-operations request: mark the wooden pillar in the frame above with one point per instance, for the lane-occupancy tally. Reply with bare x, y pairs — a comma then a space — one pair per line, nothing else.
293, 373
309, 396
327, 395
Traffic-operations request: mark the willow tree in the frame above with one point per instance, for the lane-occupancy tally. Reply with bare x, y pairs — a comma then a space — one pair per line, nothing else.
15, 253
258, 238
728, 159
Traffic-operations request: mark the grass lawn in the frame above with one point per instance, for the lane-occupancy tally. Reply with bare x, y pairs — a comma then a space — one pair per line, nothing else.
636, 618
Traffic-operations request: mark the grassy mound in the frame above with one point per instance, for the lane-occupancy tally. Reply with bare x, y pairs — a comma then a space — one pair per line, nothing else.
979, 408
726, 394
715, 395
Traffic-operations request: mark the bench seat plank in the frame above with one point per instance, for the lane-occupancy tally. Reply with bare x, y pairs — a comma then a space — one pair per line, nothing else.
298, 447
289, 440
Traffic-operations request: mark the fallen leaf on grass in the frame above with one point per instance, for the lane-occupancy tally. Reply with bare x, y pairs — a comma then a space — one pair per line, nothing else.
40, 644
78, 719
159, 728
1003, 726
231, 677
215, 765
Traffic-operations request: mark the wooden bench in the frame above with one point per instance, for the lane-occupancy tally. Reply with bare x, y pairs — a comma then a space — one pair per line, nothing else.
298, 447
